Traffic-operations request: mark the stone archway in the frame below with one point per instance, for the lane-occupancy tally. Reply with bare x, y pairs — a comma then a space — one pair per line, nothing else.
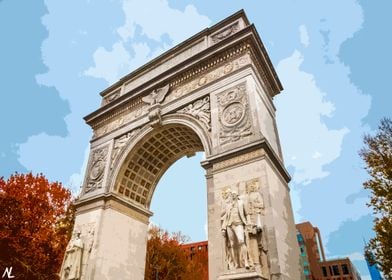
214, 92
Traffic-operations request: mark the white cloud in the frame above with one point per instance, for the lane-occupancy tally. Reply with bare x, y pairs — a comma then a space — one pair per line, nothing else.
109, 65
356, 256
178, 25
309, 144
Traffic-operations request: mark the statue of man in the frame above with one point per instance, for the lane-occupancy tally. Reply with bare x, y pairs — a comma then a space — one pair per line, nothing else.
233, 229
255, 206
72, 265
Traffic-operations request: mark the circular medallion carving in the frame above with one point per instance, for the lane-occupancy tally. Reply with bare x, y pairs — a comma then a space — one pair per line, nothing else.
96, 170
228, 68
202, 81
233, 114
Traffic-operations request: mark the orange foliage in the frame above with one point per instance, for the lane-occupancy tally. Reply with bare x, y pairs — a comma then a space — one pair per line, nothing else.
167, 260
36, 220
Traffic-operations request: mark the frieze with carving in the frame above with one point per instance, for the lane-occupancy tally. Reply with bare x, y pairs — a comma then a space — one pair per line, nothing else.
228, 31
96, 170
233, 114
214, 70
200, 109
209, 77
124, 118
243, 229
119, 143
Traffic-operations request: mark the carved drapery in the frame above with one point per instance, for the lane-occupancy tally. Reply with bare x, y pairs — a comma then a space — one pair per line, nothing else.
75, 262
119, 143
233, 115
200, 109
243, 229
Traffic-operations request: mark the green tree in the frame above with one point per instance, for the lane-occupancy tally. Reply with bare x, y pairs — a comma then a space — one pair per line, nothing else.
377, 154
36, 220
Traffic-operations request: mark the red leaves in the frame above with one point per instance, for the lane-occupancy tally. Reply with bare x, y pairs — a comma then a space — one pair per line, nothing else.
33, 214
167, 260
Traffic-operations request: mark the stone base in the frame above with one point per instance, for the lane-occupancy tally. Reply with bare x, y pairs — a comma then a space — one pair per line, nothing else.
247, 275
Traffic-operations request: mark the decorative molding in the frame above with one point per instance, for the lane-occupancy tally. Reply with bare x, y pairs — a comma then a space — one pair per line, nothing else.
200, 109
111, 97
96, 170
226, 32
184, 83
127, 116
238, 159
119, 143
237, 61
233, 114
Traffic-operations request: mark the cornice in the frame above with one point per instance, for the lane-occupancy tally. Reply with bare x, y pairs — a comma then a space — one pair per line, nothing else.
202, 62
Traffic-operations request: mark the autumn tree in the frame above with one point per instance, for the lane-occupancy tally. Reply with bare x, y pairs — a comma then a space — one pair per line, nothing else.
377, 155
167, 260
36, 220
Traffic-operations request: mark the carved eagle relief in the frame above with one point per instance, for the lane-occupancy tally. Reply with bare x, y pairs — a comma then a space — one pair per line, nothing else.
156, 96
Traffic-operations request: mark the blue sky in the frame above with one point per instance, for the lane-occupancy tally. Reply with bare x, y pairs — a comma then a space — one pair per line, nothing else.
331, 57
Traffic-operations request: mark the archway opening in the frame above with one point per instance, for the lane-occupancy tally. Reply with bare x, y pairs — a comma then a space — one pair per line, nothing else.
180, 199
151, 157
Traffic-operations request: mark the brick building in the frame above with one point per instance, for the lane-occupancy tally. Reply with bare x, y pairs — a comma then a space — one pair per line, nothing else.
339, 269
315, 265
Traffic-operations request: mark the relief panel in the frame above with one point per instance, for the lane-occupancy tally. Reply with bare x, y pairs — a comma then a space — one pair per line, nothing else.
243, 229
96, 170
233, 114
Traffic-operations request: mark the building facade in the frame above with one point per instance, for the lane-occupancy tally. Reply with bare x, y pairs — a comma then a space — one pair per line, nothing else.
312, 246
315, 266
339, 269
304, 257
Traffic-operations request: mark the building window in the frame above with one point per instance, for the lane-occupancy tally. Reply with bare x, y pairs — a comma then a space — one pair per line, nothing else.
330, 270
324, 271
345, 269
335, 269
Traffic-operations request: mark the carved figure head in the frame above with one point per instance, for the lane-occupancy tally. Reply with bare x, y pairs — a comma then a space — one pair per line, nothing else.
253, 186
226, 193
234, 194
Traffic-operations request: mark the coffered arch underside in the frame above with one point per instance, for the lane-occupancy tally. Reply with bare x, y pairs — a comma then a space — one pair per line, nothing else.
151, 152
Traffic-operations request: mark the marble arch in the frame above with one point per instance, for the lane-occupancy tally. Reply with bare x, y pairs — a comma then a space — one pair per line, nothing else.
213, 93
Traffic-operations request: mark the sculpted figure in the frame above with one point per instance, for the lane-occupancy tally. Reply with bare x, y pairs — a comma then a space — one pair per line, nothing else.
255, 207
72, 264
233, 229
201, 110
156, 96
255, 211
226, 197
